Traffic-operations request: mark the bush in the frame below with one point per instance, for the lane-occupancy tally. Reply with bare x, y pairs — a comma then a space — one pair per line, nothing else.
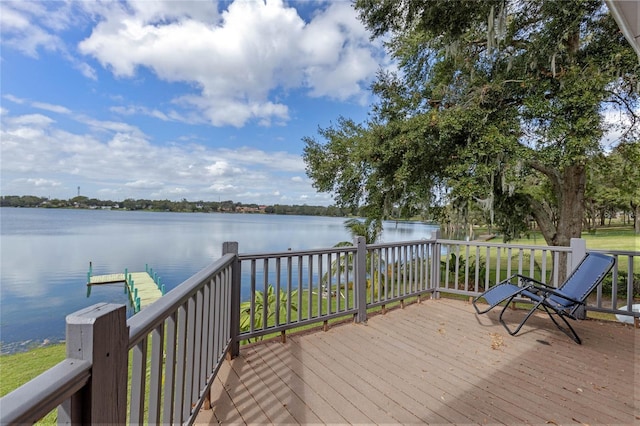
607, 284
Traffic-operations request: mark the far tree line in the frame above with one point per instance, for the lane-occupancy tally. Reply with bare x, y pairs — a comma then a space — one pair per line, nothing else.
184, 205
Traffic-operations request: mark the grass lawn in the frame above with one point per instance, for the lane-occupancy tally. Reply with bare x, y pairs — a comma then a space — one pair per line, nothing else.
18, 369
614, 238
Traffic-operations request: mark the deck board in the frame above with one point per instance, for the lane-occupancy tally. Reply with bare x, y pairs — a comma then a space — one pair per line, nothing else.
435, 363
105, 279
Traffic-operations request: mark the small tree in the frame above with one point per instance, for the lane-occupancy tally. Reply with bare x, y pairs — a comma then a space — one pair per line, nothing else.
625, 176
265, 302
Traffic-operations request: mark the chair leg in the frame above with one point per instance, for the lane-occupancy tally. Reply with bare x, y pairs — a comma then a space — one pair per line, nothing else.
570, 332
504, 324
473, 302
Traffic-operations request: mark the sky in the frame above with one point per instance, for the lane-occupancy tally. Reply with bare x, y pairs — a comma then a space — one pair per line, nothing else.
196, 100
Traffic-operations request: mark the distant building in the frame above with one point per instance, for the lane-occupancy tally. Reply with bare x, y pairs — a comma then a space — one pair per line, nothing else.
247, 209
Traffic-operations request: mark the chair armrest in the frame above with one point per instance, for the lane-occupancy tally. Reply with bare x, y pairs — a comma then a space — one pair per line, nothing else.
531, 280
547, 291
522, 282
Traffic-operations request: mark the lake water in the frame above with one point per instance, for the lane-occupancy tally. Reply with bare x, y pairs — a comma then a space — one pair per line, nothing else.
45, 255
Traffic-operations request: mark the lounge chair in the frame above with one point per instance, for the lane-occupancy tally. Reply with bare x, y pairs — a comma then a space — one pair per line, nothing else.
566, 301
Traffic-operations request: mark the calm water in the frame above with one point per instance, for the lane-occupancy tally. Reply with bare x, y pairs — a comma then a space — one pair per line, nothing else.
45, 256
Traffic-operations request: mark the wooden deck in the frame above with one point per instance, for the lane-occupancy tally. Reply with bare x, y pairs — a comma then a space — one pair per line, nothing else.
435, 362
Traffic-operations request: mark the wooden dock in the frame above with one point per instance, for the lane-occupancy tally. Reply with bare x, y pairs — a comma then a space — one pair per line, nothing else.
141, 287
106, 279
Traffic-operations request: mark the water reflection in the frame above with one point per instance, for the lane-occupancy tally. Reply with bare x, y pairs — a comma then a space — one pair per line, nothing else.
46, 253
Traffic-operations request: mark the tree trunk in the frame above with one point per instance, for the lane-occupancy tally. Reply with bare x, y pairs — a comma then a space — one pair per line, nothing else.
636, 220
569, 186
571, 204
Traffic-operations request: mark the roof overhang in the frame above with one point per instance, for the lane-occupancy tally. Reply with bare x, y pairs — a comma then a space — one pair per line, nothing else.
627, 15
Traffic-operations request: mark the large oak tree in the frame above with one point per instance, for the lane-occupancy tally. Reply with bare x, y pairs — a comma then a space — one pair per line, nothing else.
501, 103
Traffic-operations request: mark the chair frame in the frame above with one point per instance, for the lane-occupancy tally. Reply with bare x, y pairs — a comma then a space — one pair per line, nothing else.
539, 294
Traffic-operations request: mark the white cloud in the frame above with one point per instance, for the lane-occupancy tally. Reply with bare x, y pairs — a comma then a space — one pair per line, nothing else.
38, 182
223, 168
117, 160
340, 53
49, 107
142, 110
175, 191
39, 105
28, 26
12, 20
86, 69
31, 26
221, 187
14, 99
33, 120
170, 10
280, 160
237, 61
144, 184
107, 125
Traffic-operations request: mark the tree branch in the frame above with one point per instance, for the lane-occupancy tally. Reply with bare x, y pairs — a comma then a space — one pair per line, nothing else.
550, 172
544, 220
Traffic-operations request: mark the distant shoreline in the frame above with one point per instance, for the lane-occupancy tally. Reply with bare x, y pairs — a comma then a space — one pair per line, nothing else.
184, 206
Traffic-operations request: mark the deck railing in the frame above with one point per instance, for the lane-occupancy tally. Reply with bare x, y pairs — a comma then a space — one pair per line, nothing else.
158, 366
175, 347
470, 267
315, 286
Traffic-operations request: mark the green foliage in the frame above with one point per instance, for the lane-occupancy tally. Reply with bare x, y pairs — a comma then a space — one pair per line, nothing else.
612, 184
370, 229
227, 206
607, 285
499, 103
266, 302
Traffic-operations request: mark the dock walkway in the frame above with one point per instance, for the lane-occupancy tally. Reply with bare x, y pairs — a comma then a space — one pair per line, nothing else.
141, 287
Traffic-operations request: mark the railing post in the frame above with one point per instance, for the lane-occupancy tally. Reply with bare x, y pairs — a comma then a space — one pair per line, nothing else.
435, 265
578, 251
361, 278
231, 247
98, 334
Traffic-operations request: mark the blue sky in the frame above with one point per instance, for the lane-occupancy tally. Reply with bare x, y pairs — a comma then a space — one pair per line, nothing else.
200, 100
